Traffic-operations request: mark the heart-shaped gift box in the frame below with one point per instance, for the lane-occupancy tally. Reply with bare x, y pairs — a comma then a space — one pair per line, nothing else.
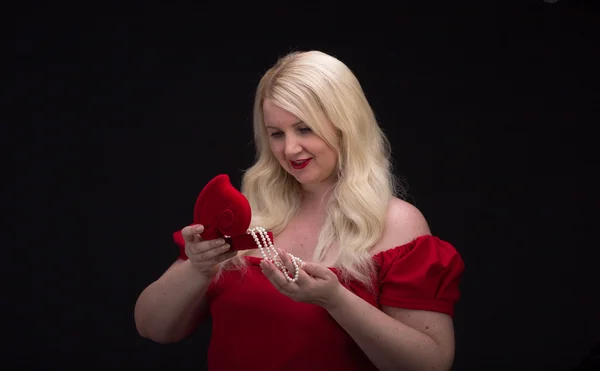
225, 213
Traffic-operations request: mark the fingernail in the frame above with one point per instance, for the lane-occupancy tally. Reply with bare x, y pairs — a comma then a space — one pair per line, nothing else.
199, 229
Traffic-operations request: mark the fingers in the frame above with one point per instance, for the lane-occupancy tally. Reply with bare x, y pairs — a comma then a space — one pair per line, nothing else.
303, 276
198, 250
215, 251
275, 276
287, 261
278, 278
206, 250
317, 270
192, 233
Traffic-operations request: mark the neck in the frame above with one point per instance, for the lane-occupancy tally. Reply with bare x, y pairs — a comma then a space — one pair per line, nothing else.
315, 196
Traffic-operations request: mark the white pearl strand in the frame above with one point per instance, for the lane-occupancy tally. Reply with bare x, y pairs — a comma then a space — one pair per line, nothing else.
266, 248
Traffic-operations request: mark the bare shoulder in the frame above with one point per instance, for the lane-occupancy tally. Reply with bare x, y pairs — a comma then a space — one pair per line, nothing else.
403, 223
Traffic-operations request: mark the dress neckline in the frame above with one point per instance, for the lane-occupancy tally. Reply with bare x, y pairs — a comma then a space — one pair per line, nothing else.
255, 260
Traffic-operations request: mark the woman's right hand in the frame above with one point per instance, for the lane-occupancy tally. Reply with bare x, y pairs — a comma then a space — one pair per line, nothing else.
205, 256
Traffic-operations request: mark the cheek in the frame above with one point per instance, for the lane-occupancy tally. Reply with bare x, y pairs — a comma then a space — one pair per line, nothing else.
277, 149
328, 153
331, 160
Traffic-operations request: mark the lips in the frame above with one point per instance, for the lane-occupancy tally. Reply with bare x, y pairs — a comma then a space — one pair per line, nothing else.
300, 164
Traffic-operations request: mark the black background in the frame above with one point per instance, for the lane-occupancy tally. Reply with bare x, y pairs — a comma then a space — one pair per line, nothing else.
123, 118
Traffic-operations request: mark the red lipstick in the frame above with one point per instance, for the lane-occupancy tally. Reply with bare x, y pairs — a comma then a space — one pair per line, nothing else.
301, 164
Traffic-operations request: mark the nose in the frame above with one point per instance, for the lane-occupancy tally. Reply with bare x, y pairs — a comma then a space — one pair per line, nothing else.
292, 146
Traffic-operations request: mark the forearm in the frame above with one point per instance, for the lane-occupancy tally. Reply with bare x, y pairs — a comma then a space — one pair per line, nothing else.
169, 308
389, 344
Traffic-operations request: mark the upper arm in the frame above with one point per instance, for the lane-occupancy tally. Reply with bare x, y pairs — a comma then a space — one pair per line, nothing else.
404, 223
438, 326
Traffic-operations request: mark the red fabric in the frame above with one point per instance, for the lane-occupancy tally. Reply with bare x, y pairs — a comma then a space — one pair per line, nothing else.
242, 242
257, 328
224, 212
222, 209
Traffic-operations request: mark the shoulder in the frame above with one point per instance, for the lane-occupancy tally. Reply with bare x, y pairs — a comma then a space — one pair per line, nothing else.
403, 223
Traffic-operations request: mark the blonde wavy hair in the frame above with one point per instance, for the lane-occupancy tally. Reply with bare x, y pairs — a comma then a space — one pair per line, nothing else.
322, 91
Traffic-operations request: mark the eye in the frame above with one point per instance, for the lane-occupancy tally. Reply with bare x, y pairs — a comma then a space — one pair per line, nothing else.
276, 134
305, 130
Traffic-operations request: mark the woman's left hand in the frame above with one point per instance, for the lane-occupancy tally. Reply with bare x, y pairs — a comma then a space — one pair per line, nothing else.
316, 284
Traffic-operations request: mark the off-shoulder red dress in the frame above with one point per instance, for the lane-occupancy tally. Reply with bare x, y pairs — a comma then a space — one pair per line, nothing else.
257, 328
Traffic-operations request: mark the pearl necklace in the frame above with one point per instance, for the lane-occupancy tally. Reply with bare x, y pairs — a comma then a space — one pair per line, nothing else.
269, 253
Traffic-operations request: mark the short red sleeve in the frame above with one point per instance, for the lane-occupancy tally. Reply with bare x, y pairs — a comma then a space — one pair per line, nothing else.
423, 274
178, 238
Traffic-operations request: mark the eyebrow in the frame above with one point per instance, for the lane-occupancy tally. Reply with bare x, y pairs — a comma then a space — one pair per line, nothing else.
296, 124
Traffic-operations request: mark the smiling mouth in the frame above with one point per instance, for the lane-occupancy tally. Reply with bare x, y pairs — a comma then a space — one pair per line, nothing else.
300, 164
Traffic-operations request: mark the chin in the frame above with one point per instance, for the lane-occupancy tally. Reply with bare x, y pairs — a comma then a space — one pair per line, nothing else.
308, 179
305, 179
302, 179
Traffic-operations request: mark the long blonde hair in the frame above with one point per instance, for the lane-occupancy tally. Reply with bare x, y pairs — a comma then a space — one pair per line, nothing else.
322, 91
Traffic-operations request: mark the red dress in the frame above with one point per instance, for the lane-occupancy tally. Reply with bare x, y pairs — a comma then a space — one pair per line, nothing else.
255, 327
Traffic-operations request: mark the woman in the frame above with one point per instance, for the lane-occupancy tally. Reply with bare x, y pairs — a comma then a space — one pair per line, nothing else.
375, 290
